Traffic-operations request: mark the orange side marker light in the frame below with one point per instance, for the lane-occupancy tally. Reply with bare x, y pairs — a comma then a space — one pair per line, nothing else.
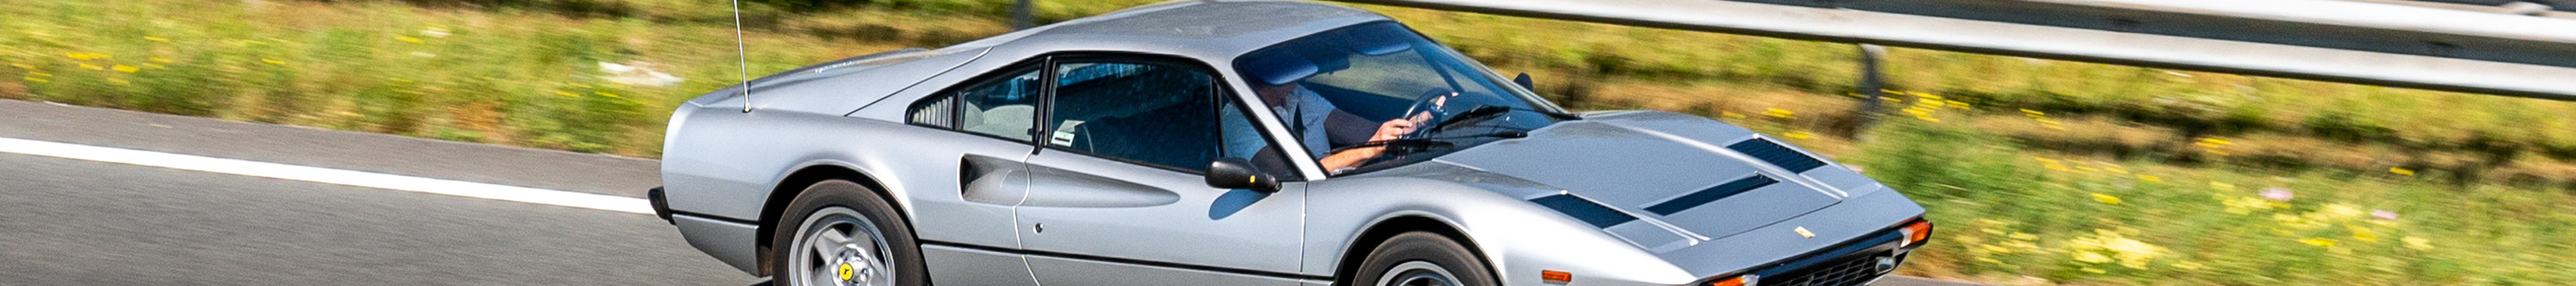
1555, 277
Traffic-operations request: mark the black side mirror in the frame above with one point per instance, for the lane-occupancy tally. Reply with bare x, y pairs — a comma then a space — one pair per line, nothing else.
1525, 82
1236, 173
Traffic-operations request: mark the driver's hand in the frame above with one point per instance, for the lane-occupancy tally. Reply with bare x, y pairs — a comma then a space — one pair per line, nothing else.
1393, 129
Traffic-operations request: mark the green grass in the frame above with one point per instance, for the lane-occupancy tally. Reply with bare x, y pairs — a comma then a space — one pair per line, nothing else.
2008, 213
2038, 171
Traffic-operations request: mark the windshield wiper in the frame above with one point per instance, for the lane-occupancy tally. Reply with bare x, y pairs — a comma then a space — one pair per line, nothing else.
1483, 111
1508, 134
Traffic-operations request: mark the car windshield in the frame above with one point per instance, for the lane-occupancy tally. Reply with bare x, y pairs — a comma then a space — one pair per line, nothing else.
1336, 90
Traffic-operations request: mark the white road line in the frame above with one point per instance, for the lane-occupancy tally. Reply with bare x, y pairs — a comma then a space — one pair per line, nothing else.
327, 176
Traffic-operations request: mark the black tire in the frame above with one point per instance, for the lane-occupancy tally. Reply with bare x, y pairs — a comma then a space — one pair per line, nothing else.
835, 200
1412, 250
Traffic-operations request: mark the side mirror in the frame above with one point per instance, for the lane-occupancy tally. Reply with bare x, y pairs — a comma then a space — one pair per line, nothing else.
1525, 82
1236, 173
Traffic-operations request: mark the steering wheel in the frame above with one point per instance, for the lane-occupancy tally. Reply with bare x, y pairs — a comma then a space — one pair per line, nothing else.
1430, 103
1433, 101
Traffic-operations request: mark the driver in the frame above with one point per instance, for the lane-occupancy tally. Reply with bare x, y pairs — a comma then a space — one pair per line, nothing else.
1323, 128
1314, 121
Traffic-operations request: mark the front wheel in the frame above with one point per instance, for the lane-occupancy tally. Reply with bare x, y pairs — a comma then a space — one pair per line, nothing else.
844, 235
1422, 259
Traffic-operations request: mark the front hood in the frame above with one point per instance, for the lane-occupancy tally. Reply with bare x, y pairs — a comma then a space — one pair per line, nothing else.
1673, 173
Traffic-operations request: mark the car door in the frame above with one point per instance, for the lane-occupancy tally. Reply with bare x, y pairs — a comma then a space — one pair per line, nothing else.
1119, 197
969, 240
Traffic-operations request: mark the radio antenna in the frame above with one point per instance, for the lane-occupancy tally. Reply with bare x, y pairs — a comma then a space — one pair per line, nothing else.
742, 56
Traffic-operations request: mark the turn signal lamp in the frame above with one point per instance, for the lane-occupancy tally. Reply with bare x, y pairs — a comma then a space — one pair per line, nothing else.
1917, 231
1555, 277
1738, 280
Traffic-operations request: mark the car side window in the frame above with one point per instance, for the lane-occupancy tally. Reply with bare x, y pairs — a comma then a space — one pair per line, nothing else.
1003, 107
1159, 115
1243, 139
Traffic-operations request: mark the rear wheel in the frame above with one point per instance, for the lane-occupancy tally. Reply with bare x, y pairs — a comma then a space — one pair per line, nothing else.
1422, 259
844, 235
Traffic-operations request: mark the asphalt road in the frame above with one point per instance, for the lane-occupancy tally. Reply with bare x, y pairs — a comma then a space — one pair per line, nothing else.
75, 222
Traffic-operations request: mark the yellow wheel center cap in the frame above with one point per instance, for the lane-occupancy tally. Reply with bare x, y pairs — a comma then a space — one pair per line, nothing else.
845, 272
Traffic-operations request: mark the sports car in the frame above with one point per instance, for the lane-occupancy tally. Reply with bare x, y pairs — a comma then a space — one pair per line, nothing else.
1245, 143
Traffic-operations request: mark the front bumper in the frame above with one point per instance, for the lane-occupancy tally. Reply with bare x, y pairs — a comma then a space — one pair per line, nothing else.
1855, 262
661, 205
1861, 227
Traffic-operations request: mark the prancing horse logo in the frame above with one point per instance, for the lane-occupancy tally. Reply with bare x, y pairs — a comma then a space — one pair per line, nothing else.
1802, 231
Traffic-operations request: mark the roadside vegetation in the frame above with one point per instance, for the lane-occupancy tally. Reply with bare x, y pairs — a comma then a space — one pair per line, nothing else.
2040, 172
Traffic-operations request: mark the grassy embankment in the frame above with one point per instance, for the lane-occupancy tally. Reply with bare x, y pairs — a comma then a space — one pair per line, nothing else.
2041, 171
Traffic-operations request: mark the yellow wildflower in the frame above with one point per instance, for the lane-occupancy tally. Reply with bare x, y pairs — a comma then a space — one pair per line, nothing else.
1780, 113
92, 67
2401, 171
161, 60
407, 39
604, 93
1800, 135
2186, 265
2222, 186
2150, 179
2106, 246
2246, 205
2033, 112
2338, 211
2107, 199
2091, 257
1957, 104
1731, 114
2417, 243
273, 61
2213, 142
127, 68
156, 39
2363, 234
566, 93
2318, 241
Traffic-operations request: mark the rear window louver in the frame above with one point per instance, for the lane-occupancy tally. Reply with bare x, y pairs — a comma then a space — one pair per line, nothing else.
1585, 210
1721, 191
1777, 155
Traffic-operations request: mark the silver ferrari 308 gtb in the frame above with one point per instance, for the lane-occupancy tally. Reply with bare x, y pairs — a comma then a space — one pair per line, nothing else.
1245, 143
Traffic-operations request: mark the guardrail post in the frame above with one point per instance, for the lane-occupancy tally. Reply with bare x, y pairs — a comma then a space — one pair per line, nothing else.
1023, 14
1870, 88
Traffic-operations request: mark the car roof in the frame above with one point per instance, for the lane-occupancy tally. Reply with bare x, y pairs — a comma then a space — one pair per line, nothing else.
1216, 31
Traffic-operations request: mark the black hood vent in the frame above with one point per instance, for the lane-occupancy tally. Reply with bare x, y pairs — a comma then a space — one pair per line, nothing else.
1584, 210
1777, 155
1711, 194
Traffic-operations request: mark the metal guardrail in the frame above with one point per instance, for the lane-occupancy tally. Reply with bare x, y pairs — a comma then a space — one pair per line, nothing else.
2343, 41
